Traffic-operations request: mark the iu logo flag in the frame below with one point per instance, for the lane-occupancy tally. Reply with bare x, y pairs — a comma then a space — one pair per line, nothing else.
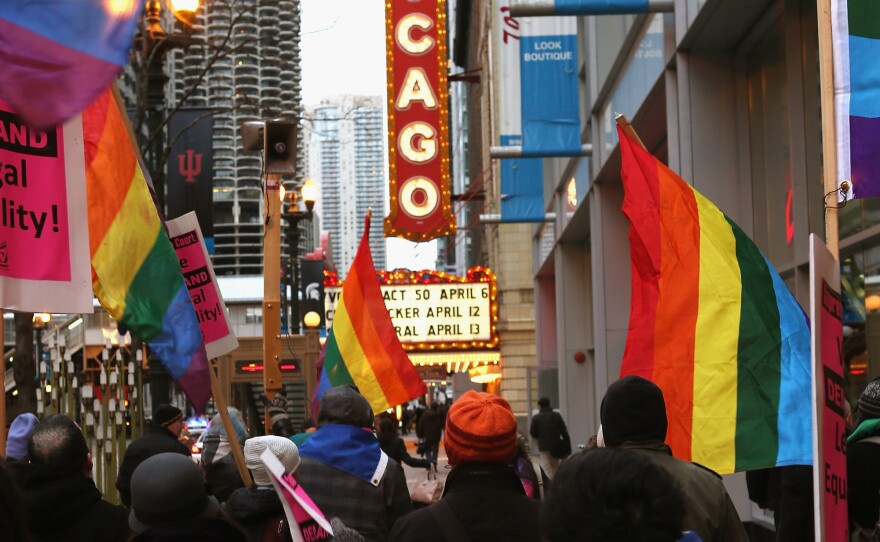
190, 180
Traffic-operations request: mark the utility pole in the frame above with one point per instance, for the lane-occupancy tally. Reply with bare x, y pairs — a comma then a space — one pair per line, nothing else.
272, 292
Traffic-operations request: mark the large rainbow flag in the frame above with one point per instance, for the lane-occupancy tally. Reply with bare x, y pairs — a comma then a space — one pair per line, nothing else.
714, 326
363, 348
58, 55
135, 272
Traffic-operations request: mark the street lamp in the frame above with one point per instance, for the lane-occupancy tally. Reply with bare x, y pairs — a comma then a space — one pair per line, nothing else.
309, 195
152, 44
41, 321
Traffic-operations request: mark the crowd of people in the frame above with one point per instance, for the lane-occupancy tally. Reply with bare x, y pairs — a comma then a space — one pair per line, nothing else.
626, 486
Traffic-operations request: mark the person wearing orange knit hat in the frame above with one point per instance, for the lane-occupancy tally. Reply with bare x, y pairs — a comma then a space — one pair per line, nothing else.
483, 498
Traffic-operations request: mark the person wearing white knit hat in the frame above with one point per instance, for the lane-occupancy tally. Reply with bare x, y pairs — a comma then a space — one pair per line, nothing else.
258, 508
283, 448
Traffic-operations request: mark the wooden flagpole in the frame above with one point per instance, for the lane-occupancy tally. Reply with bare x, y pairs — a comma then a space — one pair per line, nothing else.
627, 128
829, 147
220, 401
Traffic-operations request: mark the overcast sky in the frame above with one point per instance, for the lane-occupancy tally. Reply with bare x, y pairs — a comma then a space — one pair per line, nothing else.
343, 52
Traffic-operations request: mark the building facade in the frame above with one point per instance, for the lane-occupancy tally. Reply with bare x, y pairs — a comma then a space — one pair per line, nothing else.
726, 93
346, 158
505, 248
256, 75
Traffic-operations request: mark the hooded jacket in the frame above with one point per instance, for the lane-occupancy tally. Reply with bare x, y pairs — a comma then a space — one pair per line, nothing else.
67, 507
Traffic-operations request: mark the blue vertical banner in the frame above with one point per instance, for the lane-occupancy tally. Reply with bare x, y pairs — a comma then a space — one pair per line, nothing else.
522, 179
599, 7
522, 186
550, 104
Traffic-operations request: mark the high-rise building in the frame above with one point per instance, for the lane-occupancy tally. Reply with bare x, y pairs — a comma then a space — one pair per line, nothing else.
245, 65
346, 158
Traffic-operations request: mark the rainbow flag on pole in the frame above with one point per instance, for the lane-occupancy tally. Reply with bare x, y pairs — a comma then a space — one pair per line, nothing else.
714, 326
135, 272
58, 55
855, 30
363, 348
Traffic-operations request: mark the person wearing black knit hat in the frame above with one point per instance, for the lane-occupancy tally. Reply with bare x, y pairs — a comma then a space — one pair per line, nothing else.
862, 461
161, 435
633, 416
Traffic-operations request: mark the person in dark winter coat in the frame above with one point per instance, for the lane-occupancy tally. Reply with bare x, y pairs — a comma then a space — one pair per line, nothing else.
863, 462
162, 434
345, 471
394, 446
221, 472
61, 502
633, 416
12, 523
430, 428
258, 508
550, 430
483, 498
788, 491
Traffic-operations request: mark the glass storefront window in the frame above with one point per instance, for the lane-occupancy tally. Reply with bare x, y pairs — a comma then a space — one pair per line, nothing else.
641, 74
861, 319
770, 146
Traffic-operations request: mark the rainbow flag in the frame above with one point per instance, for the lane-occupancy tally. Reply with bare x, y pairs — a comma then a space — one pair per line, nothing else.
714, 326
855, 31
58, 55
135, 273
363, 348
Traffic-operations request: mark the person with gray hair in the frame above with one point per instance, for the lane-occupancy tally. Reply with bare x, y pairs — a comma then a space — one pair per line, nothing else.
61, 501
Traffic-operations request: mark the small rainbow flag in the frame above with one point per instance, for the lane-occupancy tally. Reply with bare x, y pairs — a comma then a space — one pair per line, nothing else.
714, 326
58, 55
855, 29
363, 348
135, 273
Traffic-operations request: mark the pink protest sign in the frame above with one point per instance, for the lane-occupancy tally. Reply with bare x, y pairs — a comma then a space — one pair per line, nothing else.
829, 426
188, 243
307, 522
44, 251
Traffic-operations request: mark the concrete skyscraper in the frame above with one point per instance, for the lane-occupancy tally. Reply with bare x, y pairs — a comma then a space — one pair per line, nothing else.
256, 76
346, 158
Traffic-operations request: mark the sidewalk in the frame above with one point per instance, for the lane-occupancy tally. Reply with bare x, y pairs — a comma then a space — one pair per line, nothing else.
414, 475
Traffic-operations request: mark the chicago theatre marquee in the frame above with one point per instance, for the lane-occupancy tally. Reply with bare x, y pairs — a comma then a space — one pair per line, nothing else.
446, 323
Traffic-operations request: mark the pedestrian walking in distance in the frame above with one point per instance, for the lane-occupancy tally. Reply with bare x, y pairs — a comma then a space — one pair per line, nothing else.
549, 429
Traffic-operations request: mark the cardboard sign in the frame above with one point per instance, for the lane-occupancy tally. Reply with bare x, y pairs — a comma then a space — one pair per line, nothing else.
829, 426
307, 523
44, 235
186, 238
